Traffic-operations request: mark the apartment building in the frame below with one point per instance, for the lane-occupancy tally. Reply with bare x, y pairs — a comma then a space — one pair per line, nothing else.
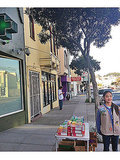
41, 68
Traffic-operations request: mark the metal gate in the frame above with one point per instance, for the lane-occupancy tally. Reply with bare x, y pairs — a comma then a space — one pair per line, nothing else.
34, 93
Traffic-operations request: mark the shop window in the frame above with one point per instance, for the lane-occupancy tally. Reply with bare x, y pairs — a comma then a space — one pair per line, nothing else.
44, 96
53, 81
10, 86
49, 88
55, 96
45, 89
52, 91
46, 93
32, 31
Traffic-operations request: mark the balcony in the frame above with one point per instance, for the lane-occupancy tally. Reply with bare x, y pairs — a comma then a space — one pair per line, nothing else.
50, 61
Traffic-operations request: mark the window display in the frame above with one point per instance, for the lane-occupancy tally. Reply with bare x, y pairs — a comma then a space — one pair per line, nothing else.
10, 86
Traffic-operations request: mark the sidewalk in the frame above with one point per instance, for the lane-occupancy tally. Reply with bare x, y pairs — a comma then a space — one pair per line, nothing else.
40, 134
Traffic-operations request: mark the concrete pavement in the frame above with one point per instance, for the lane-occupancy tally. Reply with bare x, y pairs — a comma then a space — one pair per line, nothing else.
40, 134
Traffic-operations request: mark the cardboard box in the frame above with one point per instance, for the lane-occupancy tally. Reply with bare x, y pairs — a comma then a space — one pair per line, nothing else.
80, 143
66, 145
80, 148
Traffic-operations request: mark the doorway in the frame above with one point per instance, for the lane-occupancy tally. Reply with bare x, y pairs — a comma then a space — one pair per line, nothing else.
35, 104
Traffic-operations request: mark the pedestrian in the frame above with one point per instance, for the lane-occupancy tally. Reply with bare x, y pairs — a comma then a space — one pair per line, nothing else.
60, 96
108, 122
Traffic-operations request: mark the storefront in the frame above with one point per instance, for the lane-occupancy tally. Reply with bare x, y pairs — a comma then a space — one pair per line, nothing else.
75, 85
66, 84
13, 106
49, 89
12, 92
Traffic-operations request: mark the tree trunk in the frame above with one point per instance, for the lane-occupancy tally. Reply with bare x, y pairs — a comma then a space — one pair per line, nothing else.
89, 90
94, 83
95, 90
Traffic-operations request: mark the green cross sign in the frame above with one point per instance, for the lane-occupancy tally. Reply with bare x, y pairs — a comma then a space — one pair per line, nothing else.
7, 27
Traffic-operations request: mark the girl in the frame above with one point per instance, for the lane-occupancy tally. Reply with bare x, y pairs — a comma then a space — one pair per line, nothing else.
108, 122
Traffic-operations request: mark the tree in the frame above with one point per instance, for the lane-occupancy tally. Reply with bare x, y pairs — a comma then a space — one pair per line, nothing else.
79, 65
77, 29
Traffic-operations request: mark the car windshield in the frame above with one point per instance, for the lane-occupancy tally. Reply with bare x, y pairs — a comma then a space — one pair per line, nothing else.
103, 90
116, 96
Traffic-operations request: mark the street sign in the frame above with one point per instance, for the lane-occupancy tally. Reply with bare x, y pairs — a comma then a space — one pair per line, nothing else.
7, 27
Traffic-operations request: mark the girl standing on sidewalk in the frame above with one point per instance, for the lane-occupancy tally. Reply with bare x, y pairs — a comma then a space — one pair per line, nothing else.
108, 122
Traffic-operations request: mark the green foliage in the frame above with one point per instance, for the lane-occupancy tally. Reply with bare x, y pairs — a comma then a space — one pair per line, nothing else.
87, 101
72, 25
79, 65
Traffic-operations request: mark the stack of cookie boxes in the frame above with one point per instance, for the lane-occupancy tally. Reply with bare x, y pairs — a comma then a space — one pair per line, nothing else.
78, 129
73, 127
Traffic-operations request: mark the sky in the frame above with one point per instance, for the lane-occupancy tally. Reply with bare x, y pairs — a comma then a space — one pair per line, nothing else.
109, 56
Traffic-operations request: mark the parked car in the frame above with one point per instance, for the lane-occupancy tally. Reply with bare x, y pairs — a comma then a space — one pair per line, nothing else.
101, 91
116, 98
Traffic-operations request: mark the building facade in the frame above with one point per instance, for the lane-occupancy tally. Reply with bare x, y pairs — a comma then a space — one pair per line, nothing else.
13, 103
41, 68
64, 71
